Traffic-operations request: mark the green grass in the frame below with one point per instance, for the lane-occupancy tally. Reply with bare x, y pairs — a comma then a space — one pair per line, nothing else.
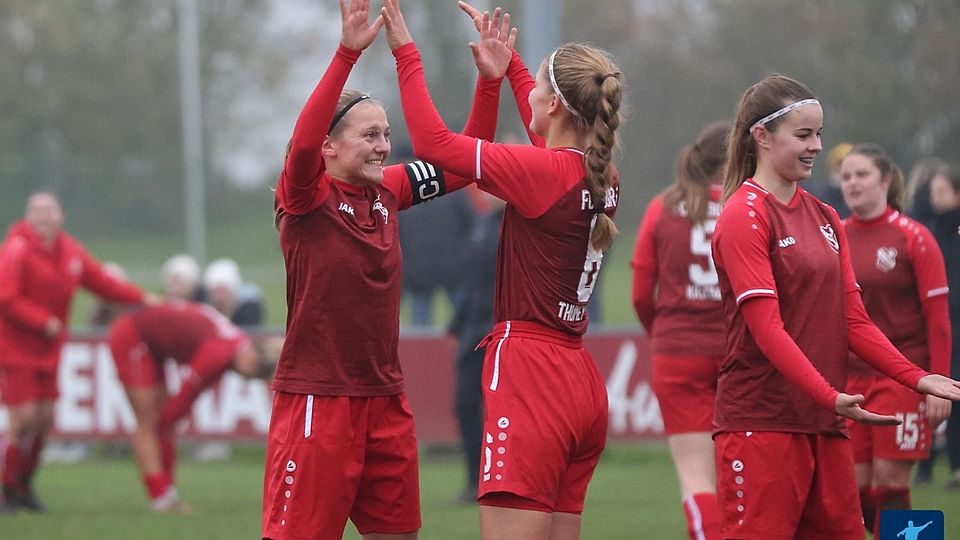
633, 495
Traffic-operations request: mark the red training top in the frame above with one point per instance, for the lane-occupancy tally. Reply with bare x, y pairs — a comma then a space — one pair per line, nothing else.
901, 271
177, 329
546, 266
676, 292
793, 310
38, 283
341, 249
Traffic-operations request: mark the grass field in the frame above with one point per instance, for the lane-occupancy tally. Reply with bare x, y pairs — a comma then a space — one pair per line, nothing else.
632, 496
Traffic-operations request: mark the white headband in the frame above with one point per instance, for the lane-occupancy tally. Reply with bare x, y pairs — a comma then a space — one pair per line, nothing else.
783, 111
556, 88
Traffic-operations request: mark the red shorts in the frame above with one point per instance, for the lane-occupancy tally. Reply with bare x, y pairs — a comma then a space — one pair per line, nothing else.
779, 486
137, 368
910, 441
686, 388
545, 422
25, 384
330, 458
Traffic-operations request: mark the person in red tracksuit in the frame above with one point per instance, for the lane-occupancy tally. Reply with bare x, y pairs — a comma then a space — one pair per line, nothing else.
545, 401
341, 442
193, 335
793, 311
677, 299
41, 267
903, 282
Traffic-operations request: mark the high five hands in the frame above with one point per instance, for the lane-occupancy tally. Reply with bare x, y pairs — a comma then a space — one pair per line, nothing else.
357, 33
493, 50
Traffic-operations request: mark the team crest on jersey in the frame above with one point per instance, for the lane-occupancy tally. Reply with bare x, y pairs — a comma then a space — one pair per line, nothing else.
379, 207
75, 267
886, 259
831, 236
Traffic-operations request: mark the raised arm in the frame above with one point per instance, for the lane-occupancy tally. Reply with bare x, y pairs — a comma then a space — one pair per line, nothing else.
303, 167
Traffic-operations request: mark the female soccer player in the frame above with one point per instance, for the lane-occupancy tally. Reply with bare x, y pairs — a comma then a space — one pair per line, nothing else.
194, 335
41, 267
545, 401
341, 442
793, 309
677, 299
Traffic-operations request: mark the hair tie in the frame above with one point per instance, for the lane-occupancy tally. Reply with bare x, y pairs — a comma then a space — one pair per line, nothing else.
339, 116
602, 78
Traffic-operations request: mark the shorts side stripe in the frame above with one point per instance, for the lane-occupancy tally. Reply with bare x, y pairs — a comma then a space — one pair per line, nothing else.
496, 360
308, 418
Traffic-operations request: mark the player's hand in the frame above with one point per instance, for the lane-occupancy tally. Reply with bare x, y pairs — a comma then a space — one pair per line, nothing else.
52, 328
940, 386
494, 49
357, 33
938, 410
397, 33
849, 406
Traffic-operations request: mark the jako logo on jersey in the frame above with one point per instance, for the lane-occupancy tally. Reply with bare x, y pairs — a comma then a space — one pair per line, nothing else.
830, 236
886, 259
787, 242
379, 207
344, 207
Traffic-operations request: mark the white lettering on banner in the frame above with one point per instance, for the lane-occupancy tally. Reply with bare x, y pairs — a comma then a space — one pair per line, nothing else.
113, 410
639, 412
72, 411
240, 400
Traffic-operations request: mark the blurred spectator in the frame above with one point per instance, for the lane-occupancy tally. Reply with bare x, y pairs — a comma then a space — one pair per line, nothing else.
918, 187
828, 191
472, 320
181, 278
225, 290
431, 236
945, 204
41, 267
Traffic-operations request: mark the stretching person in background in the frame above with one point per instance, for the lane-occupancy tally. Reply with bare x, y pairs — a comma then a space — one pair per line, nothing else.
195, 336
545, 402
341, 443
677, 299
904, 287
41, 267
793, 309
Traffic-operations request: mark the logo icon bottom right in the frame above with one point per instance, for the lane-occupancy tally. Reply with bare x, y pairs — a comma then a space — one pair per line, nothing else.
911, 525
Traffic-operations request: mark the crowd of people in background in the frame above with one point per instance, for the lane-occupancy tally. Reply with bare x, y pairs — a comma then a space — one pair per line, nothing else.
803, 335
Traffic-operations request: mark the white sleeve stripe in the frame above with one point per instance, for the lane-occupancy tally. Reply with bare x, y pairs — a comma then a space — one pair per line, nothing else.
416, 171
937, 292
423, 169
432, 171
477, 173
754, 292
308, 418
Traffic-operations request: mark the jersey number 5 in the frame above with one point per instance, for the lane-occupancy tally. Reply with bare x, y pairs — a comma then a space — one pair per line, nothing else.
700, 237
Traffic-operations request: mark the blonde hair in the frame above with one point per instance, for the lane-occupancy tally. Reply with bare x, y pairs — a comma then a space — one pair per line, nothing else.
590, 84
698, 165
769, 95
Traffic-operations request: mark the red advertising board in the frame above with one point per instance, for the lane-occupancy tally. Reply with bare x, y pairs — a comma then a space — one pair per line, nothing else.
92, 404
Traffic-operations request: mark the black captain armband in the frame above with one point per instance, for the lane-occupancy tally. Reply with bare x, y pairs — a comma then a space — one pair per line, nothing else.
426, 181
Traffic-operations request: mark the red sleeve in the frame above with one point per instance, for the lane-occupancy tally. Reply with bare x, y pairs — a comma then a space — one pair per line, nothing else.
524, 176
741, 243
644, 265
422, 180
522, 83
301, 186
13, 303
107, 287
931, 274
762, 315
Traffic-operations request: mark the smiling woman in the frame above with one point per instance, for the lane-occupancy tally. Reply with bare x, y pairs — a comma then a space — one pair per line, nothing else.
794, 313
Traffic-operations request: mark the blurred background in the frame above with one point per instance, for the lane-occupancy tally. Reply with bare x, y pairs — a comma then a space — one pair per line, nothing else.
161, 124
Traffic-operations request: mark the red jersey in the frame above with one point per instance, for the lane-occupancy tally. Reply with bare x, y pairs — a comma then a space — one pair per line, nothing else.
177, 329
546, 267
899, 268
37, 283
676, 292
797, 254
341, 250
